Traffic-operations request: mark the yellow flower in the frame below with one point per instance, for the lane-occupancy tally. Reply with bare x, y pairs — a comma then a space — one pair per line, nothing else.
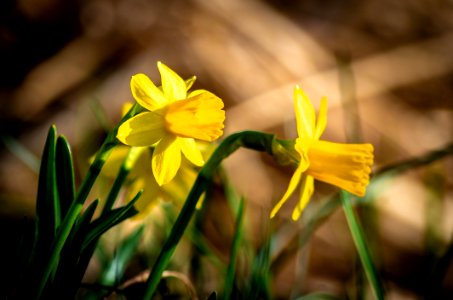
344, 165
174, 118
141, 178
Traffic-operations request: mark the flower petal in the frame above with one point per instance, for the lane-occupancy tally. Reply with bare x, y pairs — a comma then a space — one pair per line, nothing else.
146, 93
302, 146
114, 161
307, 188
293, 183
321, 122
148, 200
190, 150
173, 85
166, 159
144, 129
305, 114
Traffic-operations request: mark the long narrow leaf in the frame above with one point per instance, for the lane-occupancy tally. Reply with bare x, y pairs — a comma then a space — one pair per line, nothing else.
361, 246
68, 278
110, 219
259, 286
65, 175
47, 205
77, 206
123, 255
229, 279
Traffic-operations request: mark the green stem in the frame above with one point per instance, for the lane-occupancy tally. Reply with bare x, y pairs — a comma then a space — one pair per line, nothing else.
361, 246
76, 207
248, 139
120, 178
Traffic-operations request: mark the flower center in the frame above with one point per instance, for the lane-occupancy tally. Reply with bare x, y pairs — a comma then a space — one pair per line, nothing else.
200, 117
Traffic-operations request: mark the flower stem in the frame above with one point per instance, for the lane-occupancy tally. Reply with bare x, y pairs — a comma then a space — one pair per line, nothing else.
247, 139
361, 246
120, 178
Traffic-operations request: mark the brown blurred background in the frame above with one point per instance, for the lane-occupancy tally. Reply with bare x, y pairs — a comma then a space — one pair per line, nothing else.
386, 67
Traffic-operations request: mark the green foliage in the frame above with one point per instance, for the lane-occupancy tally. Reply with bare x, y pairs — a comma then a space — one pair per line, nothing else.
67, 229
64, 233
362, 247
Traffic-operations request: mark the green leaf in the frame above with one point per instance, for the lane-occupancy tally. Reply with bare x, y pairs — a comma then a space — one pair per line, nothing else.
70, 271
47, 204
362, 247
123, 255
65, 175
231, 271
110, 219
76, 207
259, 285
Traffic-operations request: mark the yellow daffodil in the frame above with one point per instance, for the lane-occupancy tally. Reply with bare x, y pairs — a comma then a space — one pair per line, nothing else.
344, 165
141, 178
174, 118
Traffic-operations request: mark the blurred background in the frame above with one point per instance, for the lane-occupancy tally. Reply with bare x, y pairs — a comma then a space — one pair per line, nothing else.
386, 67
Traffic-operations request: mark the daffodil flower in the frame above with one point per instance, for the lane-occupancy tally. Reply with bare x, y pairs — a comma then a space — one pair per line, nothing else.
344, 165
173, 120
141, 178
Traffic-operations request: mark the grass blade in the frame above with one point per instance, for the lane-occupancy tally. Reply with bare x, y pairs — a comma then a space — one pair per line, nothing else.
361, 246
259, 286
65, 175
47, 204
109, 220
229, 279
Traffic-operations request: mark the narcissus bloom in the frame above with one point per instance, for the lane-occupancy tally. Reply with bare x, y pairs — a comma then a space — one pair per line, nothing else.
347, 166
141, 178
174, 118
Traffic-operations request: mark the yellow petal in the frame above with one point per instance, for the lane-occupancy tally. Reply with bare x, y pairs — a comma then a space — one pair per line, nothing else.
305, 114
293, 183
196, 92
125, 108
180, 186
200, 117
307, 188
144, 129
148, 199
146, 93
173, 85
166, 160
321, 122
190, 150
114, 161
